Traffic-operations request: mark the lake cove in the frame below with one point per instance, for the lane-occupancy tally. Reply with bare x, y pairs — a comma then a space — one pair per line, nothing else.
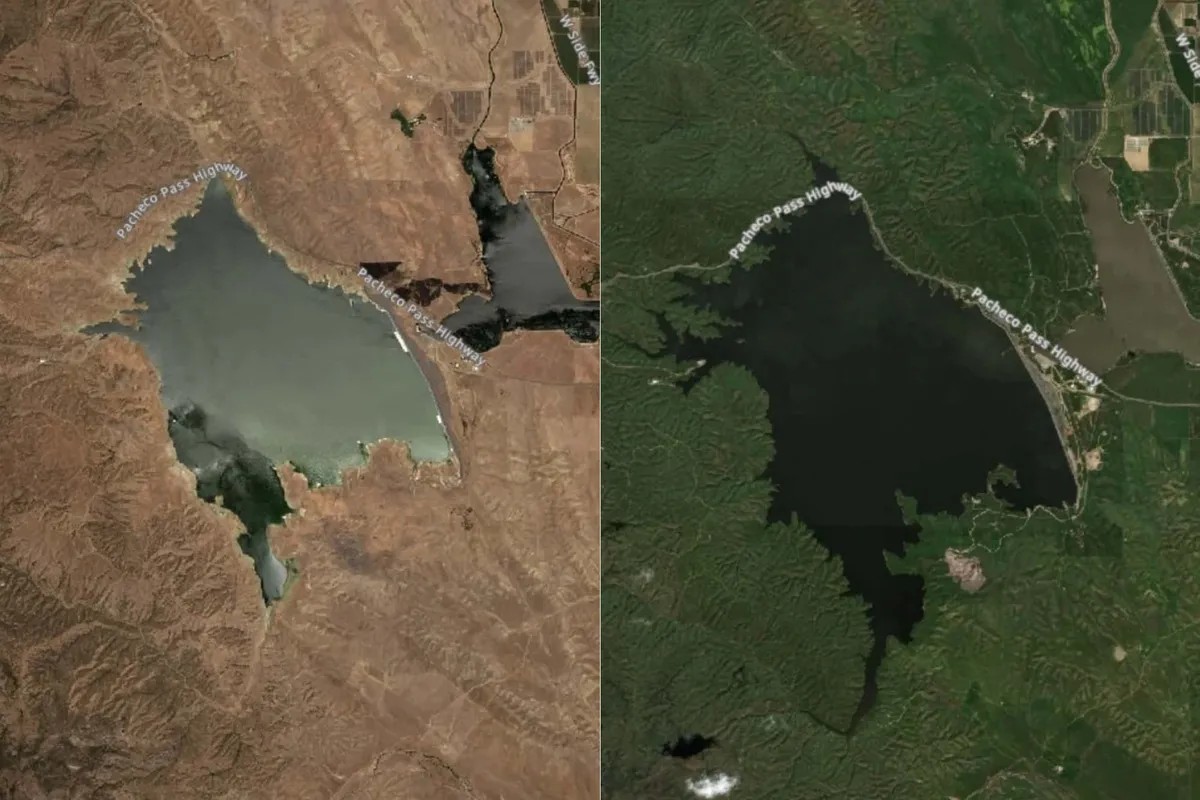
1143, 308
267, 368
235, 477
876, 384
528, 288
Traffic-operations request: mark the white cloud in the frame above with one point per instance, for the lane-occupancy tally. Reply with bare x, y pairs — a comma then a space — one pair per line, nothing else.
712, 785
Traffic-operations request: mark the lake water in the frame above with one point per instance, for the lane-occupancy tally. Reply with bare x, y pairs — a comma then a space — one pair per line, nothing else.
528, 287
277, 369
876, 384
303, 373
1143, 308
241, 480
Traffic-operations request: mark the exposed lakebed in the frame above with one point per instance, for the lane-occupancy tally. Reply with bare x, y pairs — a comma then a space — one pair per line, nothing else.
877, 384
1143, 308
260, 367
528, 288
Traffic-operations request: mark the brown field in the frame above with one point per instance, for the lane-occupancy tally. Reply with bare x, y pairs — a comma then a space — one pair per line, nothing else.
578, 254
1137, 153
545, 131
1144, 310
1194, 175
534, 96
441, 640
1180, 11
587, 136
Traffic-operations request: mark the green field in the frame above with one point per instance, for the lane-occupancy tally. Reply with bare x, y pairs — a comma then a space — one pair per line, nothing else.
1168, 153
1075, 672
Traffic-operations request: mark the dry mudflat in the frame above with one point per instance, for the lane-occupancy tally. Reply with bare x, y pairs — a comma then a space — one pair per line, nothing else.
441, 639
1144, 310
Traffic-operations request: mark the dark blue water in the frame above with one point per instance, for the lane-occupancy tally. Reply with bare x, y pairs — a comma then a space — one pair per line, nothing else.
877, 385
528, 288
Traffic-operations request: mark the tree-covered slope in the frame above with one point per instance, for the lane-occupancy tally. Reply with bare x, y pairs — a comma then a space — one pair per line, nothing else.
1072, 672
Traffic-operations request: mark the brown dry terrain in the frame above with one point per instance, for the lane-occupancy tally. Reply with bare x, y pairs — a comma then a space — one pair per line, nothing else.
441, 640
546, 133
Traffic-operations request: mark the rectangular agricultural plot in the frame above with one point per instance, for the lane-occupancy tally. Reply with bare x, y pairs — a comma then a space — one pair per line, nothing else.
1137, 152
1083, 124
1168, 152
1176, 111
576, 40
1194, 174
587, 135
1143, 119
1180, 12
1140, 81
1156, 105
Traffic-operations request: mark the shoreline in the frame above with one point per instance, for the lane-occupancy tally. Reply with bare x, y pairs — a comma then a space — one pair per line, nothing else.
1056, 404
434, 379
1051, 393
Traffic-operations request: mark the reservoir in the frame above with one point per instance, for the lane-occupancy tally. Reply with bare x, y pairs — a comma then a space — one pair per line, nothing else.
259, 367
1143, 308
244, 481
528, 288
877, 384
303, 373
